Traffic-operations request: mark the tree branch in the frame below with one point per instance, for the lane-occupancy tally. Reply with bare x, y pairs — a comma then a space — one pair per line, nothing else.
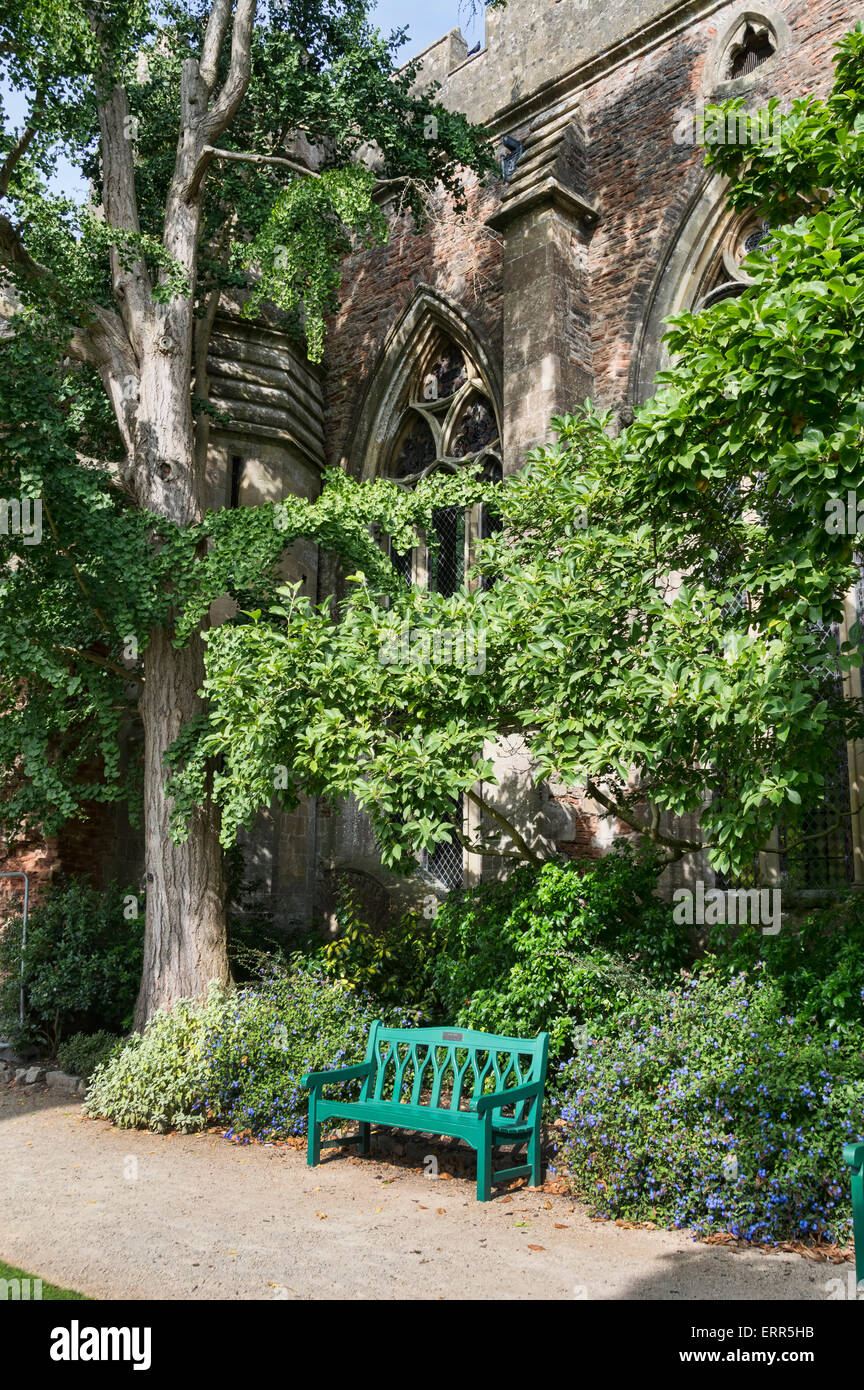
132, 288
227, 103
651, 830
14, 254
214, 37
244, 157
16, 154
100, 661
521, 844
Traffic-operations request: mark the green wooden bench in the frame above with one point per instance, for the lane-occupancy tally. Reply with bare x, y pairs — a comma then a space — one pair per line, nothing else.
435, 1080
853, 1154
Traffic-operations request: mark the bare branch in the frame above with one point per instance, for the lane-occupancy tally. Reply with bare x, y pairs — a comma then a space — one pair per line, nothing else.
244, 157
522, 845
214, 37
227, 103
100, 342
650, 829
20, 148
131, 286
102, 661
14, 254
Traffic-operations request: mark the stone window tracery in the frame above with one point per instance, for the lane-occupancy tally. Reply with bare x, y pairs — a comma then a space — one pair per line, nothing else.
447, 422
726, 277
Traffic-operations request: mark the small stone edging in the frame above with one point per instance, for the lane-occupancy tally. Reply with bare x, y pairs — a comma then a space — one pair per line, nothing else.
13, 1073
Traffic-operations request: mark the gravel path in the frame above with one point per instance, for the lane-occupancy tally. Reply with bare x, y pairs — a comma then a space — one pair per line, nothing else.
125, 1214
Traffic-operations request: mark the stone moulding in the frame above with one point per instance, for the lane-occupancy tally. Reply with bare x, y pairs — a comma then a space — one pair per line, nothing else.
428, 313
548, 193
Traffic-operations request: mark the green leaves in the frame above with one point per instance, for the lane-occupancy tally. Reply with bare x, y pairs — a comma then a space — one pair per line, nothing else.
656, 604
297, 253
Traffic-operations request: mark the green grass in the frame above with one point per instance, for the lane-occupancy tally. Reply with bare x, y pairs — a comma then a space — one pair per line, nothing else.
48, 1290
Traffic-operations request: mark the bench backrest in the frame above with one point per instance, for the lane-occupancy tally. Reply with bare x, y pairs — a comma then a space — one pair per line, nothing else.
445, 1068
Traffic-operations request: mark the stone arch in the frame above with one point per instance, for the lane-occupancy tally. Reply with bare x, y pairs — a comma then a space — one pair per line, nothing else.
409, 347
716, 81
701, 264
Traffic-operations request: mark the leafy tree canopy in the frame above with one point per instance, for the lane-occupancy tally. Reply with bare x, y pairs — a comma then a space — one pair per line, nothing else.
104, 88
673, 655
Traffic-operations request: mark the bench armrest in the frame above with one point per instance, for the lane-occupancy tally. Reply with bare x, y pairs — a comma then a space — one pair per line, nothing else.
314, 1080
853, 1154
514, 1095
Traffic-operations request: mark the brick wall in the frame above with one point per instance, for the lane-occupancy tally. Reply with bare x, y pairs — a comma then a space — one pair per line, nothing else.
456, 255
642, 181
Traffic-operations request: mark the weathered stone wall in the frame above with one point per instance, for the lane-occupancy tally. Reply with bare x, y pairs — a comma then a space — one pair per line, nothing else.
597, 215
643, 182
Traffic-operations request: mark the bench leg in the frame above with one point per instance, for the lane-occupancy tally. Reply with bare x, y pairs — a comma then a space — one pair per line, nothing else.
534, 1158
858, 1228
313, 1146
484, 1168
365, 1129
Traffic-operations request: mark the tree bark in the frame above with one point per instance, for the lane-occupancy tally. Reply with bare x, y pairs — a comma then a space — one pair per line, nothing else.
184, 937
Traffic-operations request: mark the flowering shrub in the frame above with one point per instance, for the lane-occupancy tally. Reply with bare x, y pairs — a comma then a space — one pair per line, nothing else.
272, 1033
711, 1107
157, 1080
238, 1058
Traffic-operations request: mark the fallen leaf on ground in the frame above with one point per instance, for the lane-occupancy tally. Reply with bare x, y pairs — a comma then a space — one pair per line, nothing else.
536, 1247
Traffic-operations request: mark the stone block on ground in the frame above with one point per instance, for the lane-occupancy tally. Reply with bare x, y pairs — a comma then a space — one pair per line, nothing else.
63, 1080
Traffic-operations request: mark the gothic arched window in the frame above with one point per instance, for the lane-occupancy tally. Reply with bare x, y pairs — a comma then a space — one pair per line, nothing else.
752, 47
448, 421
726, 277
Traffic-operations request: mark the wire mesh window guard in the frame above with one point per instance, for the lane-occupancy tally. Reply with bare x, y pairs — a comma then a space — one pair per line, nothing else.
446, 862
818, 851
826, 861
447, 558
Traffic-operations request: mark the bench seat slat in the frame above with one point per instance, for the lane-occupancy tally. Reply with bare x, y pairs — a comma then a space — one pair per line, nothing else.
416, 1117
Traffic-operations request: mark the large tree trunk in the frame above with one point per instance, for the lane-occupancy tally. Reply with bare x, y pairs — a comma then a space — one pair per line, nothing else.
185, 941
185, 938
